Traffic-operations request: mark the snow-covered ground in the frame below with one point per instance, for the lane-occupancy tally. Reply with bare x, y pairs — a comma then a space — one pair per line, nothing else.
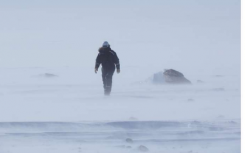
52, 102
64, 110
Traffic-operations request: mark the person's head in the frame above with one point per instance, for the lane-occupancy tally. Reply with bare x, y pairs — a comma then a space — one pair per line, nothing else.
105, 44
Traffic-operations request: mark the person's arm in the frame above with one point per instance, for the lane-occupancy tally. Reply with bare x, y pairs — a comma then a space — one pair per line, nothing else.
97, 63
117, 63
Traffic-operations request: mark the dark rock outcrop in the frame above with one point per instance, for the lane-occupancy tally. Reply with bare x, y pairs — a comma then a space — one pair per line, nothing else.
129, 140
143, 148
174, 77
170, 76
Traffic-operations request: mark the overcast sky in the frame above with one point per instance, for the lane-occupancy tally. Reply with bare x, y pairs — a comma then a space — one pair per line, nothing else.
160, 33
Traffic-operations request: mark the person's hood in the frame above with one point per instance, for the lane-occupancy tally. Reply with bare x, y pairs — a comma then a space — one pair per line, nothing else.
104, 49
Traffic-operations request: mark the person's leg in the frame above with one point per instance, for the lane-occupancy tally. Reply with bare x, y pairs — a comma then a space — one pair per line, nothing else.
105, 74
104, 77
109, 80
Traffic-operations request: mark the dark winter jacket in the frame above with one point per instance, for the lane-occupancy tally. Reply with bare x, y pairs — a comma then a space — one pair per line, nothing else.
108, 58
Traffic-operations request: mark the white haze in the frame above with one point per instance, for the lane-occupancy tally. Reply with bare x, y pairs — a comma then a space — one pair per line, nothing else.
174, 34
66, 111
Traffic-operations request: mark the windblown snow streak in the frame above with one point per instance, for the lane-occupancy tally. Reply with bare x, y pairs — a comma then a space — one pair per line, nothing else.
113, 135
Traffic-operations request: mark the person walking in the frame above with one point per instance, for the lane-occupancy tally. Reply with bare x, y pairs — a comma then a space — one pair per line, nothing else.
109, 60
